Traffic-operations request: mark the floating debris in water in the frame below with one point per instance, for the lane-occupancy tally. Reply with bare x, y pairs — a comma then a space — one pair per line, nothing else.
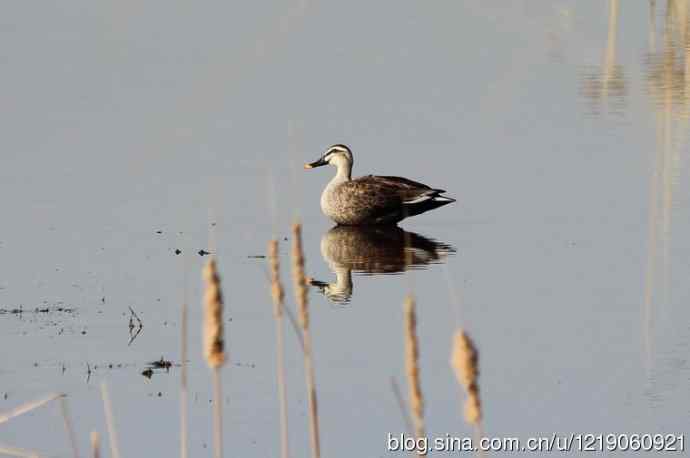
20, 310
161, 364
203, 252
159, 232
256, 256
178, 251
135, 326
158, 366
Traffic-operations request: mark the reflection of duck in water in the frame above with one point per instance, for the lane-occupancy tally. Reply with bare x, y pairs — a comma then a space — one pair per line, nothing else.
373, 250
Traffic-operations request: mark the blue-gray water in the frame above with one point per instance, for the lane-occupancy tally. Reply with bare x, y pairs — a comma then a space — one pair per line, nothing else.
561, 128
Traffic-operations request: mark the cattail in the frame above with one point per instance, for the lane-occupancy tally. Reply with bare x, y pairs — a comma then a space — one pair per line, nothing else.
214, 345
278, 295
277, 292
299, 278
465, 362
412, 367
300, 284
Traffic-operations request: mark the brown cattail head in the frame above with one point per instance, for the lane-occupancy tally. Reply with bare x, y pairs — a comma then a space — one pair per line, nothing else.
214, 344
465, 362
276, 287
298, 276
412, 365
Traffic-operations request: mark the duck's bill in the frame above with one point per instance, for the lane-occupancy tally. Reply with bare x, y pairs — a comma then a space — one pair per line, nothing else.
315, 164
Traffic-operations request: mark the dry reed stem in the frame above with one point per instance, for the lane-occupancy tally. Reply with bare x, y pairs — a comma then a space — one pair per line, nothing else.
300, 285
95, 445
217, 414
28, 406
110, 422
184, 442
278, 295
64, 410
16, 451
465, 362
214, 346
412, 367
401, 405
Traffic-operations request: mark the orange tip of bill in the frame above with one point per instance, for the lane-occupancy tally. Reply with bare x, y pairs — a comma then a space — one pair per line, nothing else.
308, 166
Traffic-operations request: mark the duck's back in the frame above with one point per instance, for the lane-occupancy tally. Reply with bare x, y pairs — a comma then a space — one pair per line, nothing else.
374, 199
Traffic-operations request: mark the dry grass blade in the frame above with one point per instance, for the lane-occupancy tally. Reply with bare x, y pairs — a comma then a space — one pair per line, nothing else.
412, 367
278, 295
214, 346
64, 409
16, 451
300, 285
110, 422
28, 407
401, 404
465, 363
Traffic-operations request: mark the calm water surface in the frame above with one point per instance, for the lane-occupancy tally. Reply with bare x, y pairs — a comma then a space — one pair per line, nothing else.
132, 132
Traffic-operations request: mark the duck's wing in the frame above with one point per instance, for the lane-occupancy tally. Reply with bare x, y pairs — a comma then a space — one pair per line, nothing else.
371, 193
409, 191
386, 199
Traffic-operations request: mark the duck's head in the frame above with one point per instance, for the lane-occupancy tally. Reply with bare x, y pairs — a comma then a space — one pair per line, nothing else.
337, 155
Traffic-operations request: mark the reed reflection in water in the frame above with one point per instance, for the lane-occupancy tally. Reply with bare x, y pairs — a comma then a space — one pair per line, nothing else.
374, 250
606, 86
666, 76
668, 85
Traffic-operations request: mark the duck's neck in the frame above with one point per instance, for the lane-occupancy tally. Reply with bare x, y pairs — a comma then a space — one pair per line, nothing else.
344, 173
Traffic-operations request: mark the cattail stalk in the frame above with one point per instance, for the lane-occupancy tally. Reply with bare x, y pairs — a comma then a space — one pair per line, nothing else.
278, 296
300, 285
110, 422
28, 406
67, 420
214, 346
184, 403
95, 445
412, 367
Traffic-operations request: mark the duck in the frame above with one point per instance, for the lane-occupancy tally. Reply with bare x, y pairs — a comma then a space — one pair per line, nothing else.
372, 199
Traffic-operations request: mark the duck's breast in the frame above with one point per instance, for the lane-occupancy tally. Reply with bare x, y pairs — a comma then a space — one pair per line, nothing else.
335, 204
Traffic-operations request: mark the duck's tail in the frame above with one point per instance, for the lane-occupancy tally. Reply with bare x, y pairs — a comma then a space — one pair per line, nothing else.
428, 201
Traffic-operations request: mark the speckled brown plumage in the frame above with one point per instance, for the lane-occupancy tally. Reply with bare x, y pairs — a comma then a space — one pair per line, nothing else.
377, 200
372, 199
